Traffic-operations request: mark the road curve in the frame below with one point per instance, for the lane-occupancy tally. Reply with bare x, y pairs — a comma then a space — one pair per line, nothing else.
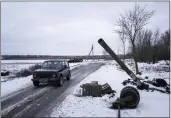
39, 102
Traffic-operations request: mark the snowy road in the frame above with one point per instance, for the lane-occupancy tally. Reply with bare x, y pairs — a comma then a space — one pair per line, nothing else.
39, 102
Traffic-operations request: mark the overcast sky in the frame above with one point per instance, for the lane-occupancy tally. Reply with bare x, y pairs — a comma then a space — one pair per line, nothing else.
68, 28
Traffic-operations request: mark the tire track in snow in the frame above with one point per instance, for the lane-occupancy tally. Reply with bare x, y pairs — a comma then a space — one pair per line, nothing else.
18, 107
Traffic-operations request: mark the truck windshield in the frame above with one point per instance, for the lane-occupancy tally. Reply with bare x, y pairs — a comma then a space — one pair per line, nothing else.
51, 65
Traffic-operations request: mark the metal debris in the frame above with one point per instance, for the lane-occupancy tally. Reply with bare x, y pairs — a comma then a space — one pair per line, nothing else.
96, 90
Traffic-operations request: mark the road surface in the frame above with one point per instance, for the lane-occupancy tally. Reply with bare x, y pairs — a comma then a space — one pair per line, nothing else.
39, 102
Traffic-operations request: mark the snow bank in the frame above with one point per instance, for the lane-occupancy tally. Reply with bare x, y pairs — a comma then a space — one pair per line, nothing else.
152, 104
14, 85
13, 69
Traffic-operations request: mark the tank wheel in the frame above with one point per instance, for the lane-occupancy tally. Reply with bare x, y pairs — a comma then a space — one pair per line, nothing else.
133, 93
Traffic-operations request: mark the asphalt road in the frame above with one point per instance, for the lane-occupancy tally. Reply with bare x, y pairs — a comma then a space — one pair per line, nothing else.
39, 102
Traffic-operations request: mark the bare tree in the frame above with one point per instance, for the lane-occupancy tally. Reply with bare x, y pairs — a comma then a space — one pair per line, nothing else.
143, 45
156, 36
165, 42
131, 23
123, 40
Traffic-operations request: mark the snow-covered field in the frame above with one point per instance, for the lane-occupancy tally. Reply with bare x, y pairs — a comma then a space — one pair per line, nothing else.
152, 104
13, 68
16, 84
22, 61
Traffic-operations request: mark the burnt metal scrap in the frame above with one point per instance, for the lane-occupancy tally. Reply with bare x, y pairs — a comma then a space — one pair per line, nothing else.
154, 83
106, 89
125, 82
4, 72
129, 98
96, 90
136, 81
140, 85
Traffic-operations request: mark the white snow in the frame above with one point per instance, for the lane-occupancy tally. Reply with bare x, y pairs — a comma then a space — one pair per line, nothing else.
13, 68
74, 65
14, 85
3, 71
22, 61
152, 104
157, 70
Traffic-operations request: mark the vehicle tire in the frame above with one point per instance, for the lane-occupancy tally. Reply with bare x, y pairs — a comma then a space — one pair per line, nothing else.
60, 81
69, 76
133, 92
36, 83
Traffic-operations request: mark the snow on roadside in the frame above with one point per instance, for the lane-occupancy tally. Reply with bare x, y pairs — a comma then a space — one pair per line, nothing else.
152, 104
74, 65
15, 67
15, 85
157, 70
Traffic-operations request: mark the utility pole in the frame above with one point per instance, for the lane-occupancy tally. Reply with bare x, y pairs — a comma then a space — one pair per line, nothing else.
92, 48
91, 51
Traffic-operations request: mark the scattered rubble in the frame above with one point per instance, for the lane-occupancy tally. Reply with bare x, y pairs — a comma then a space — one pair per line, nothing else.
96, 90
4, 72
157, 82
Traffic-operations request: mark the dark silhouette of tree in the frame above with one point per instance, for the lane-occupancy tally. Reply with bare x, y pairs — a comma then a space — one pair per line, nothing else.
131, 23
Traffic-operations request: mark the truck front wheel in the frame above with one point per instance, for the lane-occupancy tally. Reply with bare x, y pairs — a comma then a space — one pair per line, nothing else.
60, 81
69, 76
36, 83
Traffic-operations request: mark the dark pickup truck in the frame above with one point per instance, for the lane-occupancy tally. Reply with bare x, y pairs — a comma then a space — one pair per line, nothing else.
52, 72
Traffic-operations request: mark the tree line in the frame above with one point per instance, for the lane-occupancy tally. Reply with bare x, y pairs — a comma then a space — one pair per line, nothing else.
152, 47
145, 45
